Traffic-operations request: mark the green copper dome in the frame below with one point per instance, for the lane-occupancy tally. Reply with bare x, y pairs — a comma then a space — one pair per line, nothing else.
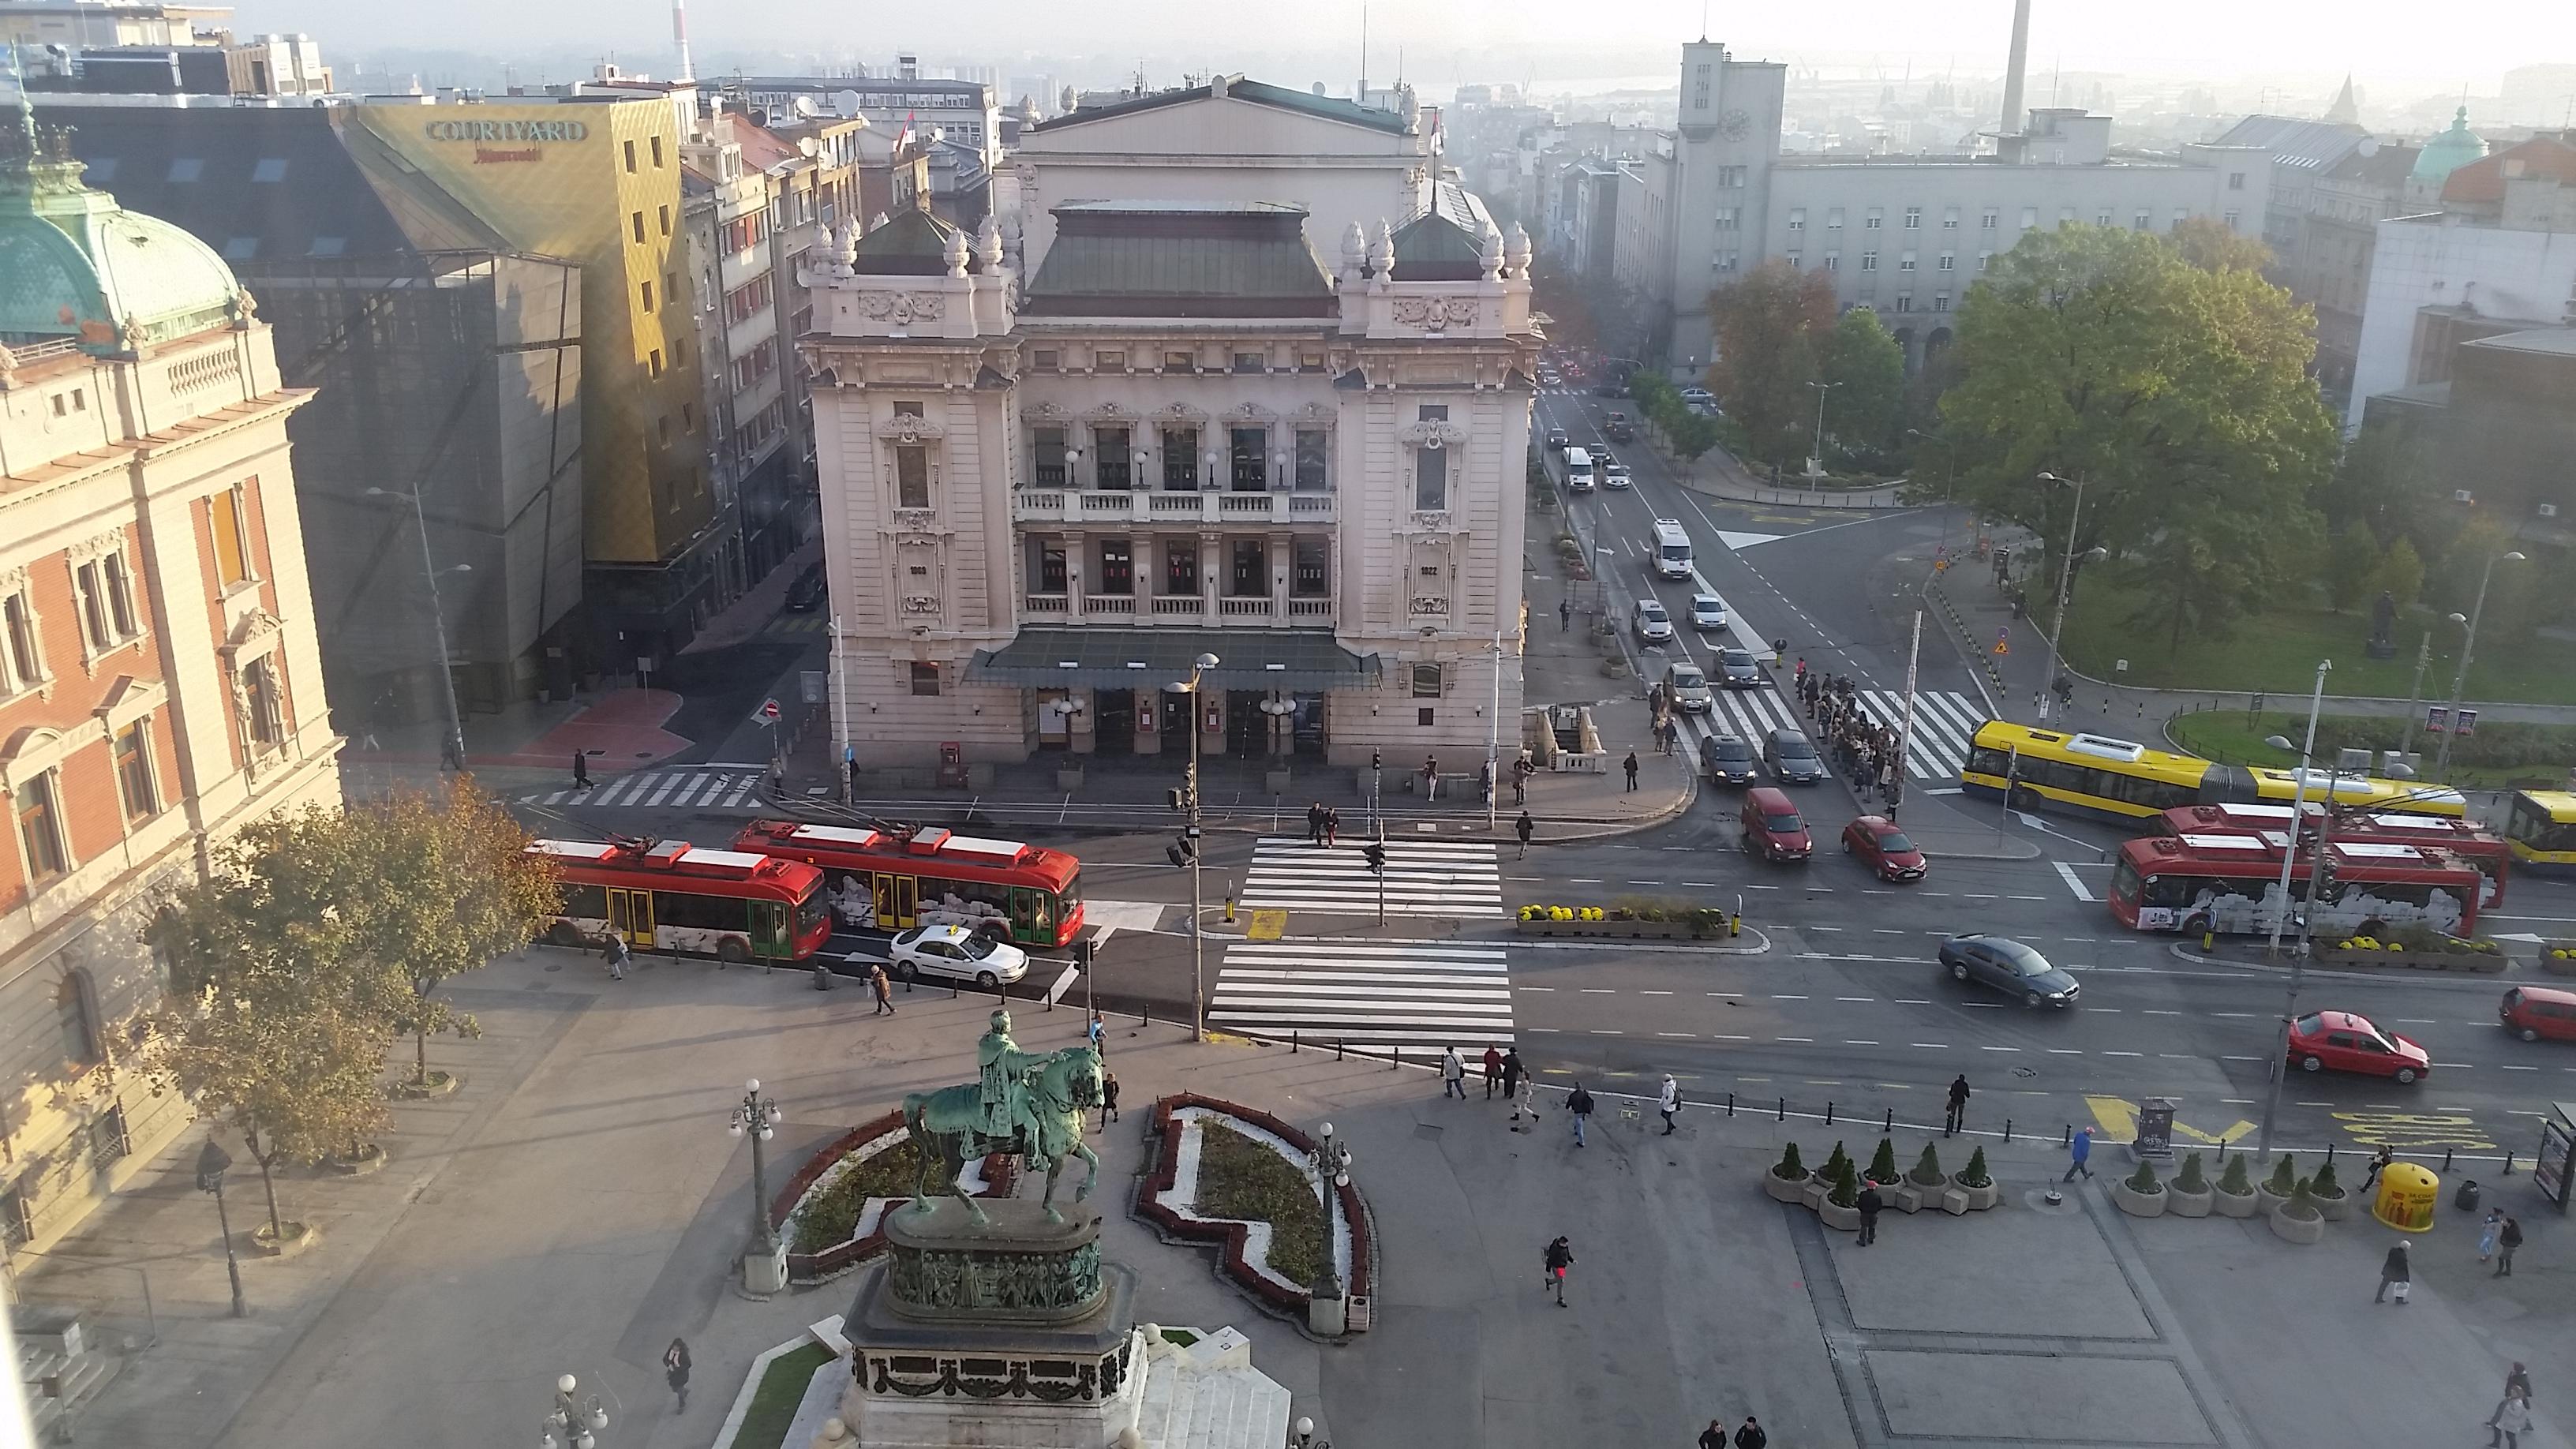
75, 265
2449, 150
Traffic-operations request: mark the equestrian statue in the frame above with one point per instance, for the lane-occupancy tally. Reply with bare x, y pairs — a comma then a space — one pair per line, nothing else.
1024, 1104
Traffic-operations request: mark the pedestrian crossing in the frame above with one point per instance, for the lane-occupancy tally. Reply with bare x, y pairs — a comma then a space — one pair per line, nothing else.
1450, 879
796, 624
1426, 994
661, 789
1944, 721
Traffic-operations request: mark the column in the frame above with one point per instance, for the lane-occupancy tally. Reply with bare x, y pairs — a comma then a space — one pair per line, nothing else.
1282, 561
1211, 574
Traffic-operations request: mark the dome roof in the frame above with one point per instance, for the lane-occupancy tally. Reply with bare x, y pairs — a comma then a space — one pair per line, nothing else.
2449, 150
73, 264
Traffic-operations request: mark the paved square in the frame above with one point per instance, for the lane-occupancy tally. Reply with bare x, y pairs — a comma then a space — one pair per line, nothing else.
2040, 1398
2005, 1272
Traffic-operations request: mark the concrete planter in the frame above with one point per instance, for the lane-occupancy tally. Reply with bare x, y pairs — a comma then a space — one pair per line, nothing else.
2235, 1205
1784, 1189
370, 1158
1813, 1194
2187, 1204
299, 1236
1980, 1196
2336, 1208
1842, 1219
2291, 1229
1909, 1198
1954, 1201
2135, 1203
2266, 1201
2480, 961
1620, 930
438, 1085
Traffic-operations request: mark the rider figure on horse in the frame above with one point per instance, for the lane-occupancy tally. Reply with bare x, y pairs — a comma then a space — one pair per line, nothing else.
1007, 1075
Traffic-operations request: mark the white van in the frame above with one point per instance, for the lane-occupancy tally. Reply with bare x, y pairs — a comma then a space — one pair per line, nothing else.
1578, 470
1672, 549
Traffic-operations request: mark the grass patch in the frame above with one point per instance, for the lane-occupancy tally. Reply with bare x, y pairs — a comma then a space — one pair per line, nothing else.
1181, 1336
829, 1219
782, 1388
1241, 1178
2277, 652
2498, 756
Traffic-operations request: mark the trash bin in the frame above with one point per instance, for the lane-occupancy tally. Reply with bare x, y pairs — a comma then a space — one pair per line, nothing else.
2406, 1197
2466, 1199
822, 977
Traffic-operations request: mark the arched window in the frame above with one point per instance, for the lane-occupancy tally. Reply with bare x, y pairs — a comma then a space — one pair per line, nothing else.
76, 1016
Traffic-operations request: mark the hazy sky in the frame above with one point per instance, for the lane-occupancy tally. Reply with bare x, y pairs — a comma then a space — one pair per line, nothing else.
2393, 44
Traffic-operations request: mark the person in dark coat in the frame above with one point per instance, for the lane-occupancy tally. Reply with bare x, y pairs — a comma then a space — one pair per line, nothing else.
2394, 1269
1108, 1098
1958, 1117
1560, 1256
1870, 1204
2506, 1241
1714, 1436
675, 1372
581, 769
1494, 1072
1512, 1070
1750, 1436
1630, 765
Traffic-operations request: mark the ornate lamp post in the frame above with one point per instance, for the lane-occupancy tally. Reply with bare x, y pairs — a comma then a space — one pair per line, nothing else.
2066, 574
574, 1422
1190, 843
1305, 1437
764, 1265
210, 1178
1331, 1158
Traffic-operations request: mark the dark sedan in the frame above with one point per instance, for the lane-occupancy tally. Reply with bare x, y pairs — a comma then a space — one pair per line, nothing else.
1727, 760
2010, 967
807, 593
1792, 759
1738, 669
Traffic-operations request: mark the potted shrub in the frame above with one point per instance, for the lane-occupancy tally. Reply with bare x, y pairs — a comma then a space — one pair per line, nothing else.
2140, 1194
2275, 1190
1926, 1180
1882, 1163
2188, 1195
1841, 1207
1975, 1185
1826, 1176
1786, 1181
2332, 1200
2235, 1197
2297, 1219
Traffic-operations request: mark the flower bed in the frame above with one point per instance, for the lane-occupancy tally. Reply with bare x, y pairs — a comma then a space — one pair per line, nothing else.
2414, 947
1167, 1196
831, 1212
1640, 923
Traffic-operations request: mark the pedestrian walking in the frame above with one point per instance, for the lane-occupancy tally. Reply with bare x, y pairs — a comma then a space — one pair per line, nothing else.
2378, 1163
1528, 1103
1453, 1076
2395, 1272
1493, 1072
1332, 826
1512, 1072
2518, 1381
1870, 1203
1560, 1256
1564, 616
675, 1372
1669, 1101
1958, 1117
2508, 1238
2511, 1418
1522, 769
1714, 1436
2487, 1231
1525, 828
1315, 823
1630, 765
1579, 1102
1108, 1098
1750, 1435
1430, 778
1096, 1032
2077, 1152
618, 955
884, 990
581, 769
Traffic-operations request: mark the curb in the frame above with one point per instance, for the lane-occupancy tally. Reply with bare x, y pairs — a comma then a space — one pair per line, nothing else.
1967, 638
2484, 981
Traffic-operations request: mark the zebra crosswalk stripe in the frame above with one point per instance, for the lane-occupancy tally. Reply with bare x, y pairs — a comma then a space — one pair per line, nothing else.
1396, 993
678, 789
1439, 878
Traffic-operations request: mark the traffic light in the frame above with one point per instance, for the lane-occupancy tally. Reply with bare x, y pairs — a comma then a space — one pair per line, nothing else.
1178, 800
1375, 854
1082, 954
1181, 851
1377, 760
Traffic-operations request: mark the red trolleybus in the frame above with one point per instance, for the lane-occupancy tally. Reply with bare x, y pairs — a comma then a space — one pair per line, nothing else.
670, 895
2231, 882
927, 876
2491, 854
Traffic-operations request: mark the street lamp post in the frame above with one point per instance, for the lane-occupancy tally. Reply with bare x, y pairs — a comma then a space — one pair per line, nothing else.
1198, 900
2298, 800
1822, 388
1494, 738
454, 750
211, 1163
2289, 856
574, 1422
2066, 573
2468, 649
763, 1266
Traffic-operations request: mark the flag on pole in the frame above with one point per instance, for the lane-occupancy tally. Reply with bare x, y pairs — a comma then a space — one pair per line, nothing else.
903, 138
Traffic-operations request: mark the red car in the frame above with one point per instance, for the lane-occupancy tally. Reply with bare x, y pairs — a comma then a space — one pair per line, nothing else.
2349, 1043
1883, 848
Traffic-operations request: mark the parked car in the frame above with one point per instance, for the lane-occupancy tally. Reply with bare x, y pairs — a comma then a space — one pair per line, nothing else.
1698, 397
2533, 1012
2010, 967
1654, 626
806, 594
1617, 428
957, 953
1876, 842
1708, 612
1736, 669
1773, 829
2347, 1042
1727, 760
1687, 688
1792, 758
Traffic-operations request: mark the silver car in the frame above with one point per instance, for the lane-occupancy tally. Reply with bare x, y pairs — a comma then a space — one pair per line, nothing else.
1654, 626
1708, 613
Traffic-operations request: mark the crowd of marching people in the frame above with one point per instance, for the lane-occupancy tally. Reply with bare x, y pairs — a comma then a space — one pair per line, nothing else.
1868, 753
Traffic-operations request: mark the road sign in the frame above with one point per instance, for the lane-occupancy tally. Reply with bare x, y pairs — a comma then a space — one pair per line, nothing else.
2003, 640
767, 714
2467, 724
810, 686
2437, 718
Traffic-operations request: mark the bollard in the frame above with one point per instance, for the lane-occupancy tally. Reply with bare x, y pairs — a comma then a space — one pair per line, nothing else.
1730, 1104
2508, 1164
2446, 1159
1337, 1049
1292, 1043
1394, 1058
2068, 1141
2329, 1154
1887, 1127
1735, 925
1784, 1109
1829, 1114
2007, 1129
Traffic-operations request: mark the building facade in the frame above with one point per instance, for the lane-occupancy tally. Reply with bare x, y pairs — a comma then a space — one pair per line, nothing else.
1051, 484
730, 221
966, 111
2337, 237
160, 686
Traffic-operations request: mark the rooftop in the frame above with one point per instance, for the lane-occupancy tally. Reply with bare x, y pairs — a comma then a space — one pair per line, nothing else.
2484, 180
2296, 144
2540, 341
1154, 260
1331, 108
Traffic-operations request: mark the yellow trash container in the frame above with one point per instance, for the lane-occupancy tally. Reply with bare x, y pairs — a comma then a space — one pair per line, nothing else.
2407, 1196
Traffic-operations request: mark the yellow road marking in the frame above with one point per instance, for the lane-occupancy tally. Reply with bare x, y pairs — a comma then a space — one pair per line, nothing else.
2118, 1121
1266, 926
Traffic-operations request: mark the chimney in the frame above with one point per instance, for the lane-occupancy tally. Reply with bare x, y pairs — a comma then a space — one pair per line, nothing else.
680, 38
2014, 68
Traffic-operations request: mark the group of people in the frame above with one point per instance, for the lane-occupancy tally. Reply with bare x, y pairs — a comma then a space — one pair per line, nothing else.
1868, 753
1323, 824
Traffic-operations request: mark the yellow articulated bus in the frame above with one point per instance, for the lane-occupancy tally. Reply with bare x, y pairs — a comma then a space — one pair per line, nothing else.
2541, 829
2126, 782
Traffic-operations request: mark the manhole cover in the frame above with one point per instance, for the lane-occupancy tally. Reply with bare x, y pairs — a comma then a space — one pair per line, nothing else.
1427, 1131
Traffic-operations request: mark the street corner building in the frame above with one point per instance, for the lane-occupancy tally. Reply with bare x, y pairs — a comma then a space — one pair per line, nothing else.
1137, 417
160, 685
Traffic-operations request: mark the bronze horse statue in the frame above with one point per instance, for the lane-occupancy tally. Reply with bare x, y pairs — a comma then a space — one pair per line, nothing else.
1057, 1091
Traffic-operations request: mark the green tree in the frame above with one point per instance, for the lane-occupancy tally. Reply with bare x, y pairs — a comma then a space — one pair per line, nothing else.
1691, 435
1866, 369
2178, 395
2401, 572
2513, 595
2385, 480
2351, 568
2206, 243
1766, 324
